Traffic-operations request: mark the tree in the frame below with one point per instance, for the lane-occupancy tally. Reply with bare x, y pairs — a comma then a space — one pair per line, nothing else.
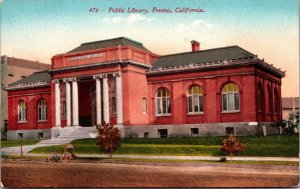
291, 125
108, 139
232, 145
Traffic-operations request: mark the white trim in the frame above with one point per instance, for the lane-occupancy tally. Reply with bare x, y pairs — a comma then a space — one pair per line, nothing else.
228, 112
27, 85
195, 113
162, 115
22, 122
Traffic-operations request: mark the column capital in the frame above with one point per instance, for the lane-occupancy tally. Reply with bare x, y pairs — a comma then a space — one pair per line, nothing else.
74, 79
98, 76
55, 80
67, 79
117, 74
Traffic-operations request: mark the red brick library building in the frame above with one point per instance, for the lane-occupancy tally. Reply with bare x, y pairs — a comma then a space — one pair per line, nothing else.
119, 81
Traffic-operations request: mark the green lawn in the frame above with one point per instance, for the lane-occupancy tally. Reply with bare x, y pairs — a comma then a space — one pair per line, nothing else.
277, 146
12, 143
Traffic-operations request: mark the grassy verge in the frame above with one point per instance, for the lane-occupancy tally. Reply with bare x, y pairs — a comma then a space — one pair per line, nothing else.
13, 143
272, 146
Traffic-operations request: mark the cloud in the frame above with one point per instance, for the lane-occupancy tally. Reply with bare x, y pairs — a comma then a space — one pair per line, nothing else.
132, 19
194, 25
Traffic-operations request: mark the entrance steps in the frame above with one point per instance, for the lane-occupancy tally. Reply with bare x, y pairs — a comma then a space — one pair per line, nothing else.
68, 134
78, 133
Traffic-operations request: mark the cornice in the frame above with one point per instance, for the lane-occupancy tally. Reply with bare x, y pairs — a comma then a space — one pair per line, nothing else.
214, 65
27, 86
99, 65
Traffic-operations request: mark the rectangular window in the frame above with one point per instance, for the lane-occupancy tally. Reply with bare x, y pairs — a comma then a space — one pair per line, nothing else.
163, 133
230, 101
196, 104
20, 135
229, 131
146, 135
224, 102
164, 104
201, 102
169, 105
190, 104
158, 106
23, 76
40, 135
194, 131
144, 105
237, 101
11, 75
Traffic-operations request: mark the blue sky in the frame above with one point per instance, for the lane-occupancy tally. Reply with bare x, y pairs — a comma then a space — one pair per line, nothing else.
39, 29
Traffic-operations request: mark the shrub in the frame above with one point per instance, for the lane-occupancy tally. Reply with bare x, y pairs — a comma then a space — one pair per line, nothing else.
108, 139
232, 145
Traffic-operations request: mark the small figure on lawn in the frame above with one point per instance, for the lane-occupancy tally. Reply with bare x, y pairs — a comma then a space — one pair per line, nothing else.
108, 138
64, 157
53, 157
232, 145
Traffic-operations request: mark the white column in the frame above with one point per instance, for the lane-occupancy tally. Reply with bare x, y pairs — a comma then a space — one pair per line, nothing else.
57, 104
68, 102
105, 99
119, 98
98, 101
75, 101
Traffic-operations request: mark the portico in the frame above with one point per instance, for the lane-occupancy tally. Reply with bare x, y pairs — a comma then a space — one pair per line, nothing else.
105, 101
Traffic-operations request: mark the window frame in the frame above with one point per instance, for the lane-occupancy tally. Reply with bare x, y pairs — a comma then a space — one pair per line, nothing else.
22, 112
144, 106
42, 110
160, 100
233, 99
270, 100
260, 98
276, 101
193, 96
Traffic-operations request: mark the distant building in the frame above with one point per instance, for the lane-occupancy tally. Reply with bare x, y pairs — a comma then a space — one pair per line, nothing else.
14, 69
290, 105
119, 81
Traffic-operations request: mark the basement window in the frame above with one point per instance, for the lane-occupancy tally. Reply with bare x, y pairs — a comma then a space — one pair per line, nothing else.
163, 133
11, 75
194, 131
229, 131
40, 135
146, 134
20, 135
23, 76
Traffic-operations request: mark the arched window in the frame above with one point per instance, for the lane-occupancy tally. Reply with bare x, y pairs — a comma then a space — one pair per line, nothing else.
269, 99
163, 102
230, 98
22, 111
195, 99
276, 101
42, 110
260, 97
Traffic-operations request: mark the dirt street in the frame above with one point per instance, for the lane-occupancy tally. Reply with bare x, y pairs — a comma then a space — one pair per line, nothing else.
21, 173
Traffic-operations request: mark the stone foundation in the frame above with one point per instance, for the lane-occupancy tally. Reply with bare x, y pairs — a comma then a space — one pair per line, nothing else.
28, 134
194, 130
158, 131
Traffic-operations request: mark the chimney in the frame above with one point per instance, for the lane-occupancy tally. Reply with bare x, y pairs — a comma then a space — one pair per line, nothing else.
195, 46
